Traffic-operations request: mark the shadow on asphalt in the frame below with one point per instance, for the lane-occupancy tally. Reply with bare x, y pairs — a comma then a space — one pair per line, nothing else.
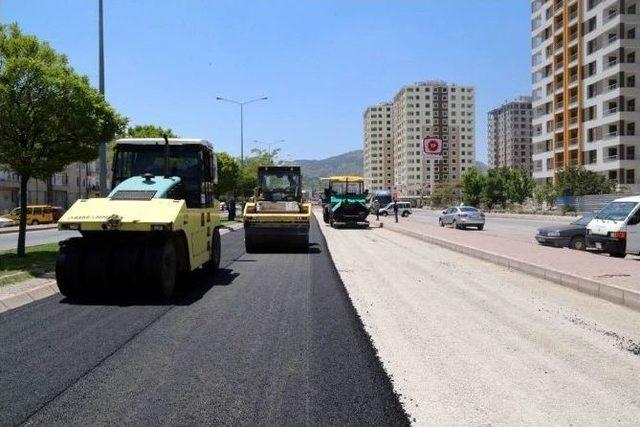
313, 248
352, 227
189, 289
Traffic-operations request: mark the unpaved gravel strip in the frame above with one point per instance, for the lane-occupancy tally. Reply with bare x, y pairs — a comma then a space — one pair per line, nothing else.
467, 342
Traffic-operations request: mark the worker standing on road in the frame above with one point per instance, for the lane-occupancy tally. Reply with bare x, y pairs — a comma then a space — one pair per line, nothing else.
395, 209
376, 208
231, 209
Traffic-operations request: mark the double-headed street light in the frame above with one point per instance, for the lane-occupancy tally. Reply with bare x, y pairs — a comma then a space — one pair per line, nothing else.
241, 104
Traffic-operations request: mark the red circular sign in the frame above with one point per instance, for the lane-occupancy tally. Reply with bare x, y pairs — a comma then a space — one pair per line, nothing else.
433, 145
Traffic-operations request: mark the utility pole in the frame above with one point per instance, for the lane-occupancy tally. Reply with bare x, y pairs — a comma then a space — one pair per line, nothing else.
103, 145
241, 104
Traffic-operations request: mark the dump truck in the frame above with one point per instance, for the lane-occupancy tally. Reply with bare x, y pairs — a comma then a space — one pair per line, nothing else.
345, 201
161, 219
277, 216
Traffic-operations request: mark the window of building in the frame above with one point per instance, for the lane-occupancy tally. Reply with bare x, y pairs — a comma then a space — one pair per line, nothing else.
631, 176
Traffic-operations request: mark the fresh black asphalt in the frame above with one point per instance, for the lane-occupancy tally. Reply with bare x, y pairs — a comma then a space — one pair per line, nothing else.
271, 339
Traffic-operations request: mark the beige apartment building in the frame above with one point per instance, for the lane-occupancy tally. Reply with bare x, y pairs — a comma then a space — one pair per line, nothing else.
585, 84
432, 109
63, 189
509, 142
378, 147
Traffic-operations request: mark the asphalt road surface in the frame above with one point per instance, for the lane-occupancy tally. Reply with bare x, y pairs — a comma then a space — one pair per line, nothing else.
523, 229
271, 339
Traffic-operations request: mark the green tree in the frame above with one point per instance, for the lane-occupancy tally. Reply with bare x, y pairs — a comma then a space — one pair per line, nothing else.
495, 191
545, 194
149, 131
576, 181
249, 174
50, 116
518, 185
443, 195
473, 184
228, 174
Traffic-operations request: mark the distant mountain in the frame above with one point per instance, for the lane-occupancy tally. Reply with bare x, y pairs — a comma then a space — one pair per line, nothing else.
343, 164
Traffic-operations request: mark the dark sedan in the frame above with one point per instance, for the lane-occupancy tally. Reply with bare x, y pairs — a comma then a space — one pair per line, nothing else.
571, 235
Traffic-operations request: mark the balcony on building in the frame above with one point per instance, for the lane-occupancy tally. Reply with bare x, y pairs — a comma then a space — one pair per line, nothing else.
610, 13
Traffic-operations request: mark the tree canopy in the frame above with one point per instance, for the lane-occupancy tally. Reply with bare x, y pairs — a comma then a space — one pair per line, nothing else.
228, 174
473, 183
575, 181
500, 186
149, 131
50, 116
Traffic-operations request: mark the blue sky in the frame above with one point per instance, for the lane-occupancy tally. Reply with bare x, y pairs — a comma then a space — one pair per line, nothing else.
320, 62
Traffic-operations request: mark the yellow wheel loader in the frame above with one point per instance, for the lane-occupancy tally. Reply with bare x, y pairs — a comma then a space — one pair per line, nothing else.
278, 217
161, 219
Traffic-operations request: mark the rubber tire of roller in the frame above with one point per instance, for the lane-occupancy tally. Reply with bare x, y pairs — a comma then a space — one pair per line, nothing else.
68, 268
159, 267
96, 267
126, 266
214, 263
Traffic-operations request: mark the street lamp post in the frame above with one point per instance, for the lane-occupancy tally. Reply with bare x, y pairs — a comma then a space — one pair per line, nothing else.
241, 104
103, 145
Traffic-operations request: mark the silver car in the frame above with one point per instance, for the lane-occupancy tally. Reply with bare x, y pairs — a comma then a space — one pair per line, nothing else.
462, 217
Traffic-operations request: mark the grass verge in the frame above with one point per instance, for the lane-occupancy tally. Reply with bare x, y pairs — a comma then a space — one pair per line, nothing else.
40, 259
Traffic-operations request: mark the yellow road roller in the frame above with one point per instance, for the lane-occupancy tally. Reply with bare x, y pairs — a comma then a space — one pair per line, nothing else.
161, 219
277, 217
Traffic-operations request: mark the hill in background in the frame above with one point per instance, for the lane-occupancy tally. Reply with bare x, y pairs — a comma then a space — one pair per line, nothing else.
349, 163
344, 164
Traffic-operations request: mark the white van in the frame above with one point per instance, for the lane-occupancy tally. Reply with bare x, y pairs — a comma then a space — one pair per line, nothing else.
616, 228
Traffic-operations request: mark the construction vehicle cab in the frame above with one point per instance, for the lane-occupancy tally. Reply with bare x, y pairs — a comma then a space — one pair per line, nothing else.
278, 216
160, 219
345, 201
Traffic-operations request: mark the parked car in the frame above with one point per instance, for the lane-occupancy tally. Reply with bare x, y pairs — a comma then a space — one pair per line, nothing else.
6, 222
39, 214
404, 209
571, 235
616, 228
462, 217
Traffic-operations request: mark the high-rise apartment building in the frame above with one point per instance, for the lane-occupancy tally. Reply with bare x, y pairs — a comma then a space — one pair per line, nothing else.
585, 78
378, 147
509, 134
432, 109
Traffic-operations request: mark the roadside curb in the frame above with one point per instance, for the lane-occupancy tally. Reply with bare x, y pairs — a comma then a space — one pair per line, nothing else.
21, 298
49, 288
13, 230
615, 294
